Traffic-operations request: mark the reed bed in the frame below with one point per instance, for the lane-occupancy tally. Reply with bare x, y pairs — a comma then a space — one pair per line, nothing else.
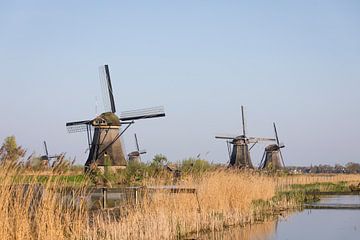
224, 199
29, 210
284, 182
46, 210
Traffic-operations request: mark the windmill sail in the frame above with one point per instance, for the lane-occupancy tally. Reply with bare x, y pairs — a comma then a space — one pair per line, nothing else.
261, 139
107, 91
79, 126
153, 112
226, 136
46, 149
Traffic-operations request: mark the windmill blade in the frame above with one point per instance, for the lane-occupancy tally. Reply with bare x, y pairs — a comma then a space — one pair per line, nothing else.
280, 145
142, 151
80, 126
154, 112
137, 143
282, 159
276, 135
262, 162
243, 120
253, 145
107, 91
46, 149
261, 139
227, 137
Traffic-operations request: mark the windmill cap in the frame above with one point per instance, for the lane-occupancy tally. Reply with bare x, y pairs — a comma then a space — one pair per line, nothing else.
108, 119
274, 147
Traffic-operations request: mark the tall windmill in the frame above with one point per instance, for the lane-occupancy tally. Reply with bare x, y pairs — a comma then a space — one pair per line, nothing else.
240, 153
104, 131
272, 158
135, 156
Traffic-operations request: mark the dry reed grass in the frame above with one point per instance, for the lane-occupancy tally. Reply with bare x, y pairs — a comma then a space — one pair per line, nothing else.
284, 182
33, 211
47, 211
224, 199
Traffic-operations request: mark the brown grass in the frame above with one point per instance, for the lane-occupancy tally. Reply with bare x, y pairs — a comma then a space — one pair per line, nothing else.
284, 182
47, 211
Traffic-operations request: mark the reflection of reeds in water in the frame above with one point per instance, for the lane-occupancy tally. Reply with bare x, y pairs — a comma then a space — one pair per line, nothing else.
258, 231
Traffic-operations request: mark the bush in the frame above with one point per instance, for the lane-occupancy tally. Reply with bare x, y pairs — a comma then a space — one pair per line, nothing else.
195, 166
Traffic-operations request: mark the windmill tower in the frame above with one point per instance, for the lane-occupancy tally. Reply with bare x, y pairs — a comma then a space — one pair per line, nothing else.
135, 156
272, 158
240, 153
45, 159
104, 131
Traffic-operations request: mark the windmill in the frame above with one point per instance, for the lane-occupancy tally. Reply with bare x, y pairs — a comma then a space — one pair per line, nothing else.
240, 153
45, 159
104, 131
272, 158
135, 155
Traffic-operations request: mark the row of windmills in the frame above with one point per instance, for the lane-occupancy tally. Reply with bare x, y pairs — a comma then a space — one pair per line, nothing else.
104, 134
239, 154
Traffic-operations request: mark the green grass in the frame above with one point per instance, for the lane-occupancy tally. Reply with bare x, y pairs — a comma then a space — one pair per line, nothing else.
72, 180
322, 187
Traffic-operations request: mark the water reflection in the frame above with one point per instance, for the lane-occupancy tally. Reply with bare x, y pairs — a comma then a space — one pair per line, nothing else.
254, 232
341, 199
320, 224
308, 224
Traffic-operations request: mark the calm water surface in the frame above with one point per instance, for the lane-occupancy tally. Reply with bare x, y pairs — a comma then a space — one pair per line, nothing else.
308, 224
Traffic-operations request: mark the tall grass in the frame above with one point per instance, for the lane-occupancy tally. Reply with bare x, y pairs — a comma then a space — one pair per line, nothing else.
48, 211
285, 182
223, 199
32, 209
38, 211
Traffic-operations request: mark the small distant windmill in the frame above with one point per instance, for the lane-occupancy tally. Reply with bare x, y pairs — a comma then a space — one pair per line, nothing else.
240, 154
105, 142
272, 158
135, 156
45, 159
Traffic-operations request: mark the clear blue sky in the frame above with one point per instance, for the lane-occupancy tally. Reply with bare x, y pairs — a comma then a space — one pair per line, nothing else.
293, 62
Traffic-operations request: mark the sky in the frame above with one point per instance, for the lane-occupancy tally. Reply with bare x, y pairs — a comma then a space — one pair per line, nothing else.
296, 63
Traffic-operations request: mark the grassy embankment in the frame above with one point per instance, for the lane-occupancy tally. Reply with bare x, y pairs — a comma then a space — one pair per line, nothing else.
225, 198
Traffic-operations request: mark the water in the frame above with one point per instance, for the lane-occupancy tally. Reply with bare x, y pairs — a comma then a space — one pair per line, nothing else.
324, 224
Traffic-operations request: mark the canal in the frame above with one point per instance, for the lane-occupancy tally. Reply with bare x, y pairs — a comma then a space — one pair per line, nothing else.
322, 224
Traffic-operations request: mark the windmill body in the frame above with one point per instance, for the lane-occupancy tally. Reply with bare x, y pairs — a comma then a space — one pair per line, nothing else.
272, 157
105, 144
240, 153
104, 132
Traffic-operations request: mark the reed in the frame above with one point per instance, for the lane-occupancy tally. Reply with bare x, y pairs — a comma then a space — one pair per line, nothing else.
33, 209
224, 199
284, 183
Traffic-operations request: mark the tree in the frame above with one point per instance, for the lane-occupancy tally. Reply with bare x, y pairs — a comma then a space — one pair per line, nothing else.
353, 167
159, 160
10, 152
